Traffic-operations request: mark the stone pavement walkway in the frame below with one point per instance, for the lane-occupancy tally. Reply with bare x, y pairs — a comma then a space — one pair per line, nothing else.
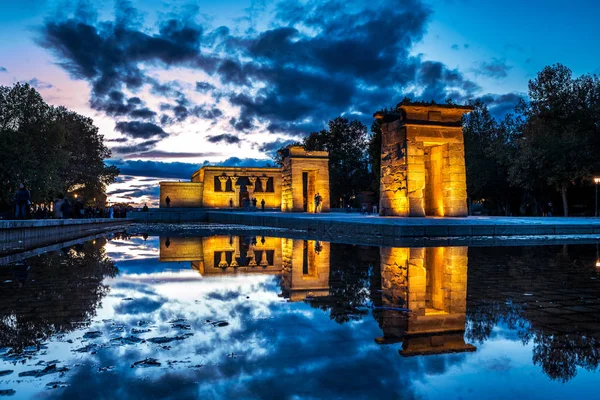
356, 224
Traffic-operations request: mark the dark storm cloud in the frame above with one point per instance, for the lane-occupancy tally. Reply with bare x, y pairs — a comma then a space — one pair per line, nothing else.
168, 154
116, 104
118, 191
117, 140
36, 83
495, 68
243, 162
150, 191
272, 147
317, 60
135, 147
500, 105
225, 138
108, 54
204, 87
441, 83
140, 130
155, 169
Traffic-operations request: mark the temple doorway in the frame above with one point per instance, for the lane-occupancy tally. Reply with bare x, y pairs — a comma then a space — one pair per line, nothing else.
434, 193
243, 195
308, 190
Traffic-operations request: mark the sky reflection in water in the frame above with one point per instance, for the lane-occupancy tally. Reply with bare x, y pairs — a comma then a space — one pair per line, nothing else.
254, 317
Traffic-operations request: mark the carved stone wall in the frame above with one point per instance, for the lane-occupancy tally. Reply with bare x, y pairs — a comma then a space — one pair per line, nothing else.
181, 194
423, 162
249, 180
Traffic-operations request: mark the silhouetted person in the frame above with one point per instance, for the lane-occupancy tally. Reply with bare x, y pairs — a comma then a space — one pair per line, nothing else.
168, 242
145, 208
56, 209
254, 201
231, 203
65, 209
22, 198
168, 201
262, 204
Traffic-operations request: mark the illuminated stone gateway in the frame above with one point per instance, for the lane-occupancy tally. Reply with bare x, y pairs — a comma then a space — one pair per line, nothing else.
291, 188
423, 161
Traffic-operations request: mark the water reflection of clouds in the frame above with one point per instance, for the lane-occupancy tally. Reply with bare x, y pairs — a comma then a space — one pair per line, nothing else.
235, 336
134, 248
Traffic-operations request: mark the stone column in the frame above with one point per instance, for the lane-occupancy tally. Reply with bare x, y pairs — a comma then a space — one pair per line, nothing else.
251, 187
454, 180
263, 182
263, 259
223, 179
394, 164
236, 189
223, 260
416, 178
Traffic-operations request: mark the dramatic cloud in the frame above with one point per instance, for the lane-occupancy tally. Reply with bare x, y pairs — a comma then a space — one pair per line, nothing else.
440, 83
272, 147
495, 68
204, 86
140, 130
167, 154
244, 162
36, 83
156, 169
225, 138
316, 61
500, 105
135, 147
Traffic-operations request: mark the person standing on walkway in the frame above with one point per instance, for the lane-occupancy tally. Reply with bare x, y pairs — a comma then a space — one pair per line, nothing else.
262, 204
168, 201
22, 200
319, 202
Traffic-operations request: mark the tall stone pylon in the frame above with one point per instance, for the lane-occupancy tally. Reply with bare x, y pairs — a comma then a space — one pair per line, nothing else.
423, 161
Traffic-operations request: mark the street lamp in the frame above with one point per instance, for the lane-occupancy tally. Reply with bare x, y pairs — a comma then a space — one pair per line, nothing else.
597, 182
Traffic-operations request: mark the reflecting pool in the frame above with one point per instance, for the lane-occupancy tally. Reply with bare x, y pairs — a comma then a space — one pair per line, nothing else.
247, 316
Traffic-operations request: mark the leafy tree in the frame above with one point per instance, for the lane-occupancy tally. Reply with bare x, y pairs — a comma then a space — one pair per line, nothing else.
52, 150
488, 151
346, 142
560, 141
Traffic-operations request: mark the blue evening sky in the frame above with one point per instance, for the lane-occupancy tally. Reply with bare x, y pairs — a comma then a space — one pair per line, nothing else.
174, 85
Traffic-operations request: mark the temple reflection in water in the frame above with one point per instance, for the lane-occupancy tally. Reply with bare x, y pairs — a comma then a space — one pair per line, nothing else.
430, 282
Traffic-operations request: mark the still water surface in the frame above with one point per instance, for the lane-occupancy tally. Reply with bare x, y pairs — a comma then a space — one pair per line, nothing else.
242, 316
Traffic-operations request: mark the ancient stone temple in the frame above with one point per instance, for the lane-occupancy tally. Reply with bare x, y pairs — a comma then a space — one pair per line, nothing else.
423, 161
292, 188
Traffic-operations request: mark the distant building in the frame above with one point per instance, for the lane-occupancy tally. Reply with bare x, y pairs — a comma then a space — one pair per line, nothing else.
291, 188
